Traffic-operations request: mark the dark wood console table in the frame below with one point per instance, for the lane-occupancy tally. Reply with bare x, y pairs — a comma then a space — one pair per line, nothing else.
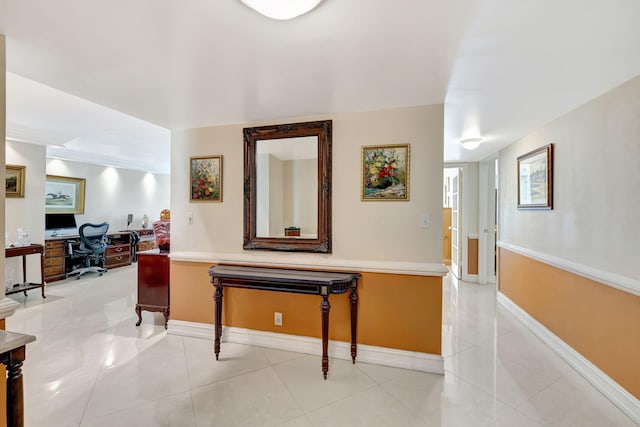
23, 251
296, 281
12, 355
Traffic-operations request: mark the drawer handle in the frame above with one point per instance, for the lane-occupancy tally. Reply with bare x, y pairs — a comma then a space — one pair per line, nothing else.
119, 258
119, 249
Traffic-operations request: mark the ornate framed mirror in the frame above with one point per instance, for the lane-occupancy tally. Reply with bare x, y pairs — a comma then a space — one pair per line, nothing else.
287, 187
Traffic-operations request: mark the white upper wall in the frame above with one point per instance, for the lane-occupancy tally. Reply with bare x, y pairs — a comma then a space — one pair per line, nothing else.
27, 211
383, 231
594, 220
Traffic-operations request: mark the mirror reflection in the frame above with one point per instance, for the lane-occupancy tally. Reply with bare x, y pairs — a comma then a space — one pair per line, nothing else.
287, 187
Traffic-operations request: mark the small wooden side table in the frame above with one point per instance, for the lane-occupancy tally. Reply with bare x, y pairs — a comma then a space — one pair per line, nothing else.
23, 251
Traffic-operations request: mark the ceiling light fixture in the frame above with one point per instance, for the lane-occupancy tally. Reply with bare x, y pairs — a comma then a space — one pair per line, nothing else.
282, 9
471, 143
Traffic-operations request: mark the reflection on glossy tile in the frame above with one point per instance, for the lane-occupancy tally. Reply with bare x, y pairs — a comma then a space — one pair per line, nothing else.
255, 399
91, 366
303, 377
572, 401
373, 406
171, 411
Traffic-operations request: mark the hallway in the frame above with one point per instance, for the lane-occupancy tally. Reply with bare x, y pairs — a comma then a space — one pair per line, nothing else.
91, 366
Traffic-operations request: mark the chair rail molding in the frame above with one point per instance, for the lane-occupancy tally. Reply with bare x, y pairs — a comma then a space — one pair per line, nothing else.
314, 262
623, 283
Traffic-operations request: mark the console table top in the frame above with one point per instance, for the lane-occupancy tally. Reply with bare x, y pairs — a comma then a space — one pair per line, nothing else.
12, 340
281, 275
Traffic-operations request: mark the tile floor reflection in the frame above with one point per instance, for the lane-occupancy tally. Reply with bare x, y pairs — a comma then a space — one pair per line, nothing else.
91, 366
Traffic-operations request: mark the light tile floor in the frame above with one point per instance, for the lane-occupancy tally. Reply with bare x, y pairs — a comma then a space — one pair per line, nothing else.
91, 366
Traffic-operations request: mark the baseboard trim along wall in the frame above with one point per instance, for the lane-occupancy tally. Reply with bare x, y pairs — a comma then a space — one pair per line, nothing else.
611, 389
617, 281
315, 262
424, 362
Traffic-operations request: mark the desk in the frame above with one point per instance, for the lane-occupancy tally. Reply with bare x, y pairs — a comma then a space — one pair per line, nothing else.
296, 281
58, 261
23, 251
12, 354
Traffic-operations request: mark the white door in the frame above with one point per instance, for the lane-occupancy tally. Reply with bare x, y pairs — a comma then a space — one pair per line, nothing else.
456, 221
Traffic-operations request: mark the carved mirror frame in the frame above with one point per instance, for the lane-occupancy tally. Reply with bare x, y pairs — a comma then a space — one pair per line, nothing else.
322, 242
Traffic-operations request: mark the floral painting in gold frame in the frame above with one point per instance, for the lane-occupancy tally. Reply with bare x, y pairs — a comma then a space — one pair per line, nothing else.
206, 179
385, 172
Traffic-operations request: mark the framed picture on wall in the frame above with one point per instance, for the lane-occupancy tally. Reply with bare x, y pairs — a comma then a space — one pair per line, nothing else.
64, 194
535, 179
385, 172
206, 179
15, 176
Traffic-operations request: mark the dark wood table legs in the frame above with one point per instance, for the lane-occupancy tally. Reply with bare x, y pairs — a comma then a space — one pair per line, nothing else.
354, 321
41, 272
320, 283
165, 310
324, 309
15, 404
218, 317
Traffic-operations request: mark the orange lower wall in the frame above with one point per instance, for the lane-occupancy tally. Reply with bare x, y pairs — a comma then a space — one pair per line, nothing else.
472, 258
396, 311
598, 321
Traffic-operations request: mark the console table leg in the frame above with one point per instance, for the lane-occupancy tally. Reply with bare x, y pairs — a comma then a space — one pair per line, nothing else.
354, 321
42, 273
324, 309
139, 313
217, 296
15, 404
165, 312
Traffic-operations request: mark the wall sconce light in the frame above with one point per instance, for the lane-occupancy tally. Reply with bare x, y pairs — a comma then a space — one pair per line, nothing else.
282, 9
471, 143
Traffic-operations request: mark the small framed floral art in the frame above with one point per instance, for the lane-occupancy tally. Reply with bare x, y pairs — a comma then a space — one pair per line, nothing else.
206, 179
385, 172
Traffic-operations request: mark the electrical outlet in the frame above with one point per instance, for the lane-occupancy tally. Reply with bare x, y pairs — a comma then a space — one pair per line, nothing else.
189, 217
277, 318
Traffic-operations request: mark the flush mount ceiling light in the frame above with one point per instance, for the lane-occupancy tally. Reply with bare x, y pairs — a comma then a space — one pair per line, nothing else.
471, 143
282, 9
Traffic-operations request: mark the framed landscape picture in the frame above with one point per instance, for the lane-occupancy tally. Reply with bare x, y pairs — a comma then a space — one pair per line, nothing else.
14, 180
64, 194
206, 179
385, 172
535, 179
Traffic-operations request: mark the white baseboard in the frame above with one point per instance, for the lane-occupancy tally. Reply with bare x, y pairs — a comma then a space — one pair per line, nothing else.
611, 389
425, 362
471, 278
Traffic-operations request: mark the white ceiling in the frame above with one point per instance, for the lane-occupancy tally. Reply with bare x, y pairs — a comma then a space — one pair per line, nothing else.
502, 67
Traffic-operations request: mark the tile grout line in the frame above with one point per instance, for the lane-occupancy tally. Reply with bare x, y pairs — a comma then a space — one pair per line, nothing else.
95, 383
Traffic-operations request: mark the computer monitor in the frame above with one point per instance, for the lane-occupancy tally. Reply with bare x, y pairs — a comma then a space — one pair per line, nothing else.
59, 221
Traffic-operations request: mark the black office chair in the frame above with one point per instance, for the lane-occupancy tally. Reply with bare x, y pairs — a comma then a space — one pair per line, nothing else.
93, 243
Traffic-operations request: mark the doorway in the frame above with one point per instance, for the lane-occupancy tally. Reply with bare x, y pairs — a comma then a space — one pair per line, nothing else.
452, 223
